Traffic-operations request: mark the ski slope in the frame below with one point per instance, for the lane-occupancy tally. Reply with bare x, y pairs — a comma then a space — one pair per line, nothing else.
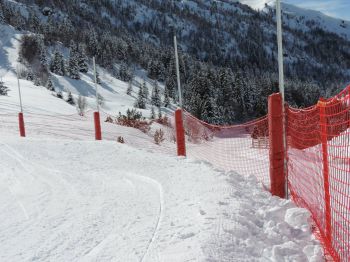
71, 200
66, 197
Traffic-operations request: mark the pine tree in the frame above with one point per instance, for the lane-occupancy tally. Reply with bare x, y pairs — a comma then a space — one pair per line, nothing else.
141, 99
59, 95
73, 65
98, 80
3, 89
37, 81
2, 18
49, 85
159, 113
101, 100
166, 99
155, 99
129, 90
125, 73
70, 99
57, 64
145, 90
153, 113
82, 59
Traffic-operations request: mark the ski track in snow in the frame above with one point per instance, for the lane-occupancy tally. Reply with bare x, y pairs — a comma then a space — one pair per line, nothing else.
89, 201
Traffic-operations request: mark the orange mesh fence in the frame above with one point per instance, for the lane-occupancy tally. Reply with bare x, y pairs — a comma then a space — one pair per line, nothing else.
240, 148
319, 168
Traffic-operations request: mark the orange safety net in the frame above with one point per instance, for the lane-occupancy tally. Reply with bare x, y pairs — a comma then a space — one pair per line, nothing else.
240, 148
318, 155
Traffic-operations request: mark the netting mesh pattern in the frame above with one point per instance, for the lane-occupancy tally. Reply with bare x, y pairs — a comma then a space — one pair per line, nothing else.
240, 148
319, 168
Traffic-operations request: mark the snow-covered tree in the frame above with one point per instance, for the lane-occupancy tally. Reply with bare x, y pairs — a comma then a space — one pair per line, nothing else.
129, 89
141, 99
59, 95
101, 100
155, 99
49, 85
57, 64
125, 73
145, 89
81, 105
153, 113
159, 113
3, 89
166, 99
82, 59
73, 68
70, 99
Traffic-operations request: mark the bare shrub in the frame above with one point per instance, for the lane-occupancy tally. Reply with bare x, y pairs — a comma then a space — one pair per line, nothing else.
133, 119
121, 140
159, 136
81, 105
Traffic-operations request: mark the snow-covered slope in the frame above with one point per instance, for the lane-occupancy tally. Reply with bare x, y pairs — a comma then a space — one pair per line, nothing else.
304, 19
39, 100
102, 201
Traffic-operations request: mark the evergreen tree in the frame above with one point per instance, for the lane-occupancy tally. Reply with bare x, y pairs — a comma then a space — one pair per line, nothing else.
125, 73
129, 90
82, 59
101, 100
145, 90
59, 95
57, 64
2, 18
166, 99
98, 80
141, 99
37, 81
49, 85
153, 113
70, 99
3, 89
73, 65
155, 99
159, 113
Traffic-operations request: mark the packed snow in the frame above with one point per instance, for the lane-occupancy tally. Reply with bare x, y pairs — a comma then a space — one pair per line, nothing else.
67, 200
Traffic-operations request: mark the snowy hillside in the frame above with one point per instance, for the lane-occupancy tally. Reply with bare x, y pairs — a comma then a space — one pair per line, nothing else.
36, 99
306, 20
66, 197
225, 47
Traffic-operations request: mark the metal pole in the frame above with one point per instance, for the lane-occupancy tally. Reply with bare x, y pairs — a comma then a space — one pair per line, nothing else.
19, 91
281, 84
280, 48
96, 86
178, 72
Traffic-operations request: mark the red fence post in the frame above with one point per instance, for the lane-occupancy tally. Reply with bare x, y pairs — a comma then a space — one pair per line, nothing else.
22, 130
277, 174
180, 133
327, 198
98, 133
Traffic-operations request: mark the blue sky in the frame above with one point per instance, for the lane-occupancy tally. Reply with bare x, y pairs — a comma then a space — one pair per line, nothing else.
335, 8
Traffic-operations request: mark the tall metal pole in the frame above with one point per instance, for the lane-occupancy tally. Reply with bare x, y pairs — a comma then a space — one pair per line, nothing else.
280, 48
178, 72
96, 86
281, 84
19, 90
